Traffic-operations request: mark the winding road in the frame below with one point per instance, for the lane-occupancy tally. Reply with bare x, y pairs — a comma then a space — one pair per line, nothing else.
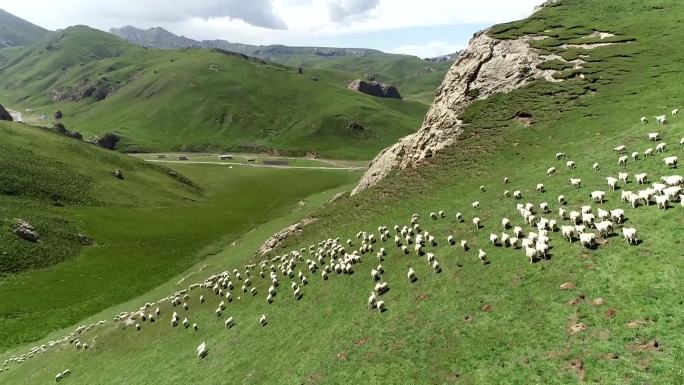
257, 165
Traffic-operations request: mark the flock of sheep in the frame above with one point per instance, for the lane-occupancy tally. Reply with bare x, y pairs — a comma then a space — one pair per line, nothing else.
332, 257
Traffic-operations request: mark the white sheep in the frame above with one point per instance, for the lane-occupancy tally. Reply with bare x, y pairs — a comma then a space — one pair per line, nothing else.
476, 222
411, 275
595, 167
202, 350
661, 119
494, 239
662, 200
464, 245
513, 242
517, 194
568, 232
622, 161
561, 199
560, 155
588, 219
603, 214
612, 182
661, 147
617, 215
598, 196
604, 228
505, 223
476, 205
562, 213
540, 187
262, 320
371, 300
671, 161
673, 180
575, 182
380, 305
570, 165
681, 142
451, 240
620, 149
482, 189
585, 209
641, 178
507, 194
623, 177
588, 240
482, 255
506, 180
551, 171
648, 152
229, 323
643, 120
544, 207
635, 156
459, 217
630, 235
675, 112
518, 231
654, 136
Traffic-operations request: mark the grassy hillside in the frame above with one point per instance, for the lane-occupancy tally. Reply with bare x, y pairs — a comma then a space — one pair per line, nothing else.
161, 100
417, 79
505, 322
146, 228
15, 31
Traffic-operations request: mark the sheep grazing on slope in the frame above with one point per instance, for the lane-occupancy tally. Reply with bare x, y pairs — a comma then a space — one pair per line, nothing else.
661, 201
540, 188
648, 152
588, 240
595, 167
371, 300
380, 305
620, 149
681, 142
476, 222
482, 256
643, 120
612, 182
464, 245
506, 180
494, 239
623, 176
570, 165
575, 182
630, 235
476, 205
505, 223
671, 161
202, 350
411, 275
517, 194
262, 320
654, 136
560, 155
675, 112
561, 200
640, 178
568, 232
459, 217
661, 147
598, 196
482, 189
604, 228
661, 119
507, 194
551, 171
622, 161
229, 323
673, 180
635, 156
544, 207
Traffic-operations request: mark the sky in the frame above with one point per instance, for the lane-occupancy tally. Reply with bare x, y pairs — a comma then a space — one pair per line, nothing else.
425, 28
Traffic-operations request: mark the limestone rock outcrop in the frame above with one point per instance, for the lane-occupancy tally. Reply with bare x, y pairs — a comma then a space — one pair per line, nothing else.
488, 66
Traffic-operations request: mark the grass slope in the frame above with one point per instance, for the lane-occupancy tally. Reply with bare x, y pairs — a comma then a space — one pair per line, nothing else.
506, 322
193, 99
15, 31
146, 228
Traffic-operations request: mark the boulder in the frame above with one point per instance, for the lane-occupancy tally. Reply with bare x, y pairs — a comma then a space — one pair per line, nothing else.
4, 115
108, 140
58, 115
374, 88
25, 231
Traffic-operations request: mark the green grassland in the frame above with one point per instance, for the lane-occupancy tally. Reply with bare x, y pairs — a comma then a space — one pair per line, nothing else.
146, 228
507, 322
194, 100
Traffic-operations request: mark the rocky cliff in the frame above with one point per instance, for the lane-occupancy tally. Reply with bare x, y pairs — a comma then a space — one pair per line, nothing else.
487, 67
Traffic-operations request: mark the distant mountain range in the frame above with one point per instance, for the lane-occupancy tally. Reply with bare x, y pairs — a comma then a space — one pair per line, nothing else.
16, 32
163, 39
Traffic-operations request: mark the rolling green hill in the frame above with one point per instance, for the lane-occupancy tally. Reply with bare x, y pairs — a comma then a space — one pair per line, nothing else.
15, 31
417, 79
610, 314
196, 99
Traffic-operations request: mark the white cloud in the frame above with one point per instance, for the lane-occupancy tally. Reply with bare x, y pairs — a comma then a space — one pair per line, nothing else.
343, 10
263, 21
429, 50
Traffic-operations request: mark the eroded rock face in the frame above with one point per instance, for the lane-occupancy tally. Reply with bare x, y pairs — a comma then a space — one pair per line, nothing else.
276, 239
374, 88
487, 67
